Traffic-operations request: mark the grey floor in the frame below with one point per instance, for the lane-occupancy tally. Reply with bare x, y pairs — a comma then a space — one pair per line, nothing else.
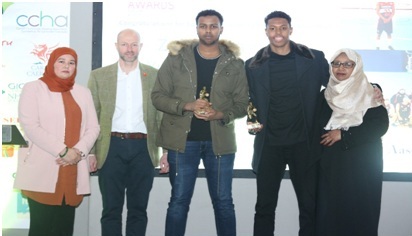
15, 232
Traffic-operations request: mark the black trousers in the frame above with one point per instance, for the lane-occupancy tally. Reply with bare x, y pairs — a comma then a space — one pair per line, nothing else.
48, 220
128, 170
270, 174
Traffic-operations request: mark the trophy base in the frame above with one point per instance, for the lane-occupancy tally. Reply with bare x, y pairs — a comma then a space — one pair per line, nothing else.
254, 126
200, 112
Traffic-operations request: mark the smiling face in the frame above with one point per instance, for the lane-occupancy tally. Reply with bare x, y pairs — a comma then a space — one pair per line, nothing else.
128, 46
64, 66
278, 31
342, 67
209, 30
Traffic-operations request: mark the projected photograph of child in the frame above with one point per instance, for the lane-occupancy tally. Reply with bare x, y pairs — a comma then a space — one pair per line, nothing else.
375, 25
379, 31
385, 12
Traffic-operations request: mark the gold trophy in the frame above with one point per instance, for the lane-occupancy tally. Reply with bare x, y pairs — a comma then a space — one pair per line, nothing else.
252, 121
203, 94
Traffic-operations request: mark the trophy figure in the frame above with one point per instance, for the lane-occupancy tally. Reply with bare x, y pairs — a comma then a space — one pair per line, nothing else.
252, 121
203, 94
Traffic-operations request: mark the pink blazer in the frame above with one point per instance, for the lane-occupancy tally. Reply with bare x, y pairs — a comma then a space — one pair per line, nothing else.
41, 115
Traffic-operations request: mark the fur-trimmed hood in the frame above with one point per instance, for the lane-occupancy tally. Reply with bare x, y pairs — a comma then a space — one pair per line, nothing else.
174, 47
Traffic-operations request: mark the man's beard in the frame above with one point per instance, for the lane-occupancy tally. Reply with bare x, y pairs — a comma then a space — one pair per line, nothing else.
204, 42
127, 59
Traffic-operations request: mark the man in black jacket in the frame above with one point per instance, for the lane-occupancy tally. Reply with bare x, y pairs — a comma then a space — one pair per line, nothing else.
284, 79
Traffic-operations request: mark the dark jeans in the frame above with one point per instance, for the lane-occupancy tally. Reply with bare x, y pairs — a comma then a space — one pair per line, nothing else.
128, 168
48, 220
183, 173
270, 174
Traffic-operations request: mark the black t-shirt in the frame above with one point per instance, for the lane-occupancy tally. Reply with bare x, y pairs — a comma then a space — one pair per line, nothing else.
200, 129
285, 121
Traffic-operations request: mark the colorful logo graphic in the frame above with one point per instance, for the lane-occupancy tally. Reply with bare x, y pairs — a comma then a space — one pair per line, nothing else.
42, 20
43, 51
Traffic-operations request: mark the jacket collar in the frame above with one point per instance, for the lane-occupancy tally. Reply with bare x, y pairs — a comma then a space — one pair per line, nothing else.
226, 46
263, 54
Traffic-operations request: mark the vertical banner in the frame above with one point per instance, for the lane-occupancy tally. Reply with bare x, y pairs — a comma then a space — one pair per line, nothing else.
30, 32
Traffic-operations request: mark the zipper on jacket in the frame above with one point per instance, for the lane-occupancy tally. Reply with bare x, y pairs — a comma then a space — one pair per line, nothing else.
190, 77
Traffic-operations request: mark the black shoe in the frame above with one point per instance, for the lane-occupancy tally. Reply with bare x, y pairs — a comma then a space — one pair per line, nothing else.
390, 47
377, 48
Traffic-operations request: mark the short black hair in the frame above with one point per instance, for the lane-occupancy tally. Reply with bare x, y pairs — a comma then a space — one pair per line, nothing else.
278, 14
210, 13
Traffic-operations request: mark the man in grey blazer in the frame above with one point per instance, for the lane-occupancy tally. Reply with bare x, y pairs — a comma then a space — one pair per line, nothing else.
125, 149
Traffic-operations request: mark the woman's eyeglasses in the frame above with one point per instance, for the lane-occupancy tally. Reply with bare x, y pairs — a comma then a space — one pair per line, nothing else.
346, 65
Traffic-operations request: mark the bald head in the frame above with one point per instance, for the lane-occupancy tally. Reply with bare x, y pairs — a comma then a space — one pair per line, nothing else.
128, 45
128, 32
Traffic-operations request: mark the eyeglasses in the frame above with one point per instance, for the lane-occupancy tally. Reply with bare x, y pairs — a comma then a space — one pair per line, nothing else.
346, 65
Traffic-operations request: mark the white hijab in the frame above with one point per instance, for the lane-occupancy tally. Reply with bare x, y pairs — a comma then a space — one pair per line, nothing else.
351, 98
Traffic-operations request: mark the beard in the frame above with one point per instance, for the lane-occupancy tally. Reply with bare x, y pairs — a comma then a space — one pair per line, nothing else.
208, 43
128, 59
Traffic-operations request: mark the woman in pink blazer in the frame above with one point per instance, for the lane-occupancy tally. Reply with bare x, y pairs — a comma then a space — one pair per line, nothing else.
60, 124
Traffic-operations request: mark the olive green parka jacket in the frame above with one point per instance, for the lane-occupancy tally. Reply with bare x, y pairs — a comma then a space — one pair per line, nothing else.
176, 85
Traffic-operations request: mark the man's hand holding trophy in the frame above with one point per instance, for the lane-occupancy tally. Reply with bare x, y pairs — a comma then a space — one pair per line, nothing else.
203, 108
253, 124
203, 95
